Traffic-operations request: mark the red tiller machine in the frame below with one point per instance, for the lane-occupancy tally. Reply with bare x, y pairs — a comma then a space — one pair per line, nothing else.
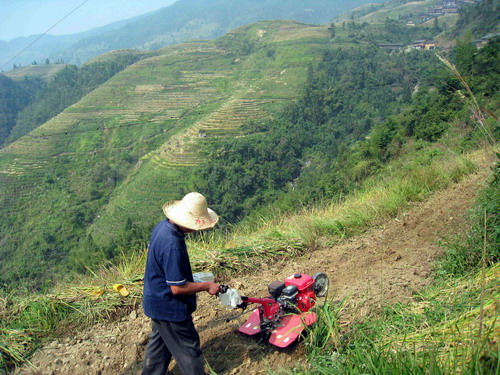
282, 316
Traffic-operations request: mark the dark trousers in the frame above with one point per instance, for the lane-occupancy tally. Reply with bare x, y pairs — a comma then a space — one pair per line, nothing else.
177, 339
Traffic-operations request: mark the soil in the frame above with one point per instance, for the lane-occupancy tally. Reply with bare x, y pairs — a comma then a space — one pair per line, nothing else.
388, 264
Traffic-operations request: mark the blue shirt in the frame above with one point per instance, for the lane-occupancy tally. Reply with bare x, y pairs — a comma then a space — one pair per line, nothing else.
167, 264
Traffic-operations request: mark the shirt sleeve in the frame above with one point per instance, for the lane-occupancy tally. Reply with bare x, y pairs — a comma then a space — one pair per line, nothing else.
173, 267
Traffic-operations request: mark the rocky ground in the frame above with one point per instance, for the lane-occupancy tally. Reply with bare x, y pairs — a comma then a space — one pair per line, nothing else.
386, 265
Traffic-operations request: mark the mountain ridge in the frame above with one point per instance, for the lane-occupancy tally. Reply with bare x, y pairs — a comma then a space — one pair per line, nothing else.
182, 21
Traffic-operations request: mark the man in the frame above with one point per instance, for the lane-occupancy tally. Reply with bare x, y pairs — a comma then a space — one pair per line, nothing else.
169, 291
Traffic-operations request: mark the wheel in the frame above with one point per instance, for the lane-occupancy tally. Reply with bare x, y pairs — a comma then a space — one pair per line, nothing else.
321, 282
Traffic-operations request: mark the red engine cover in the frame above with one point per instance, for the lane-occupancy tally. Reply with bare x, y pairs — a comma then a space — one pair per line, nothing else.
302, 281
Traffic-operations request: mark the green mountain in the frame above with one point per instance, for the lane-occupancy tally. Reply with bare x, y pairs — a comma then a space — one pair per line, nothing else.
479, 20
49, 46
70, 186
183, 21
43, 71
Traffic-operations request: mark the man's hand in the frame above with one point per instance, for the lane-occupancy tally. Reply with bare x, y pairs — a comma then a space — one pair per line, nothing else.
213, 289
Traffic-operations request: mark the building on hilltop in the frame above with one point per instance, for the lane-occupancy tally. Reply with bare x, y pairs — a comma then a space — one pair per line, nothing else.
434, 12
423, 45
444, 8
450, 9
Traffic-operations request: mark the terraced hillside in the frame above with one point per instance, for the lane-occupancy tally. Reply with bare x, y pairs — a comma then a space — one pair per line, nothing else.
45, 71
106, 164
407, 10
394, 9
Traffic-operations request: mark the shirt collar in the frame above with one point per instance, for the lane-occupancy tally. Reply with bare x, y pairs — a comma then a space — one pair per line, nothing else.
175, 228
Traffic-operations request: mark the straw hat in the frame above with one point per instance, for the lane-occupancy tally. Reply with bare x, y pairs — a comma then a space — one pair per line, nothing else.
191, 212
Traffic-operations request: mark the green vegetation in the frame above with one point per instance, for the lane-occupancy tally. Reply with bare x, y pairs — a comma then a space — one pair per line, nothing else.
89, 183
465, 253
401, 10
45, 72
349, 123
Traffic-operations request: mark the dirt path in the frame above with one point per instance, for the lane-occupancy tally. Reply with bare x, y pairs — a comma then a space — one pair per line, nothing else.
383, 266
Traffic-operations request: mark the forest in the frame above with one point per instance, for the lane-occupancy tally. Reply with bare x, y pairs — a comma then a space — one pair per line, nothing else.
14, 97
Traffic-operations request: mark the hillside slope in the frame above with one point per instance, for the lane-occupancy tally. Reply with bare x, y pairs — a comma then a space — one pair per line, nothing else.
125, 147
384, 266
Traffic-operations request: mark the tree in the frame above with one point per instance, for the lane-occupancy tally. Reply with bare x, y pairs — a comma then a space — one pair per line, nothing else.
331, 30
47, 61
437, 29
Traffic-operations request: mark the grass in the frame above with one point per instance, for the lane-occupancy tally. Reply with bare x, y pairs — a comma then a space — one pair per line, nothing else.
276, 235
395, 189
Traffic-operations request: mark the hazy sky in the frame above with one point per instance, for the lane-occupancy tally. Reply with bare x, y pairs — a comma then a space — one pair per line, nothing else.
28, 17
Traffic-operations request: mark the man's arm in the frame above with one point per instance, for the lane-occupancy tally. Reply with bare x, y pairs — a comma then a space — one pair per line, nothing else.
193, 288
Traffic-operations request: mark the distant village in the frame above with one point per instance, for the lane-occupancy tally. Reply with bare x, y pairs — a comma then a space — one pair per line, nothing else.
441, 9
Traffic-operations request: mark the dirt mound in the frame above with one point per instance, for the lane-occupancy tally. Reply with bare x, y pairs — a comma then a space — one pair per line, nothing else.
386, 265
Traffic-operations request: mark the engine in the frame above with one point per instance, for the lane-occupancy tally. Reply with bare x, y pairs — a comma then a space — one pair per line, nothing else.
295, 293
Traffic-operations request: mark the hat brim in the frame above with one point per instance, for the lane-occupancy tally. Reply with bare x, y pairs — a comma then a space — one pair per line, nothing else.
178, 214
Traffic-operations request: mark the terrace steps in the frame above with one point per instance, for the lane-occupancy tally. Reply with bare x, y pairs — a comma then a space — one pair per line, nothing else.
183, 149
